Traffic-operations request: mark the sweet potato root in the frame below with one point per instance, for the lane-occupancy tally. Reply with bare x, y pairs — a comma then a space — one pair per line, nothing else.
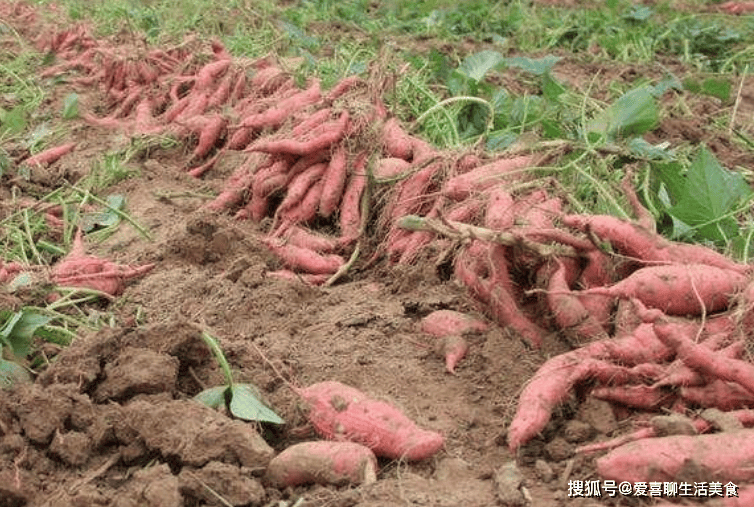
325, 462
341, 412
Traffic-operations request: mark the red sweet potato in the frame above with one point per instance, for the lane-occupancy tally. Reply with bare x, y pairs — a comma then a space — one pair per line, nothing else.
396, 141
499, 215
318, 139
350, 207
50, 155
305, 238
390, 168
307, 278
555, 379
441, 323
325, 462
569, 313
678, 289
719, 457
275, 117
209, 134
334, 181
702, 359
80, 270
303, 259
718, 394
483, 177
637, 396
341, 412
632, 240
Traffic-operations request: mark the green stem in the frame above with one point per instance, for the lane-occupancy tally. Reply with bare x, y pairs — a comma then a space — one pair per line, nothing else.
218, 353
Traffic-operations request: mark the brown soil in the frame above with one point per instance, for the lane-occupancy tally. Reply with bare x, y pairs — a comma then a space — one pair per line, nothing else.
111, 422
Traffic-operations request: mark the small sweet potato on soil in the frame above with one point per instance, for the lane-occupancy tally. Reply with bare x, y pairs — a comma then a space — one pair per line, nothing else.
324, 462
341, 412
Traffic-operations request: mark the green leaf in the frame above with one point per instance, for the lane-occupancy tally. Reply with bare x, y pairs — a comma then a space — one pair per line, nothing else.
552, 89
719, 88
213, 397
633, 114
13, 121
709, 195
107, 218
245, 404
71, 106
478, 64
19, 331
638, 13
12, 373
537, 66
640, 148
498, 141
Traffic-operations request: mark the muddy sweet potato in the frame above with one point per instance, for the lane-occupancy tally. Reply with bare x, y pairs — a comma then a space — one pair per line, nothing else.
441, 323
341, 412
716, 457
324, 462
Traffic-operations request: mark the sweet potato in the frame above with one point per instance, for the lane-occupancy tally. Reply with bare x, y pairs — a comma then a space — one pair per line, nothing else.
209, 134
483, 177
395, 140
678, 289
390, 168
325, 462
499, 214
275, 117
702, 359
441, 323
553, 382
318, 139
307, 278
303, 259
720, 457
718, 394
635, 241
334, 181
80, 270
569, 313
341, 412
350, 207
300, 184
305, 238
306, 210
637, 396
50, 155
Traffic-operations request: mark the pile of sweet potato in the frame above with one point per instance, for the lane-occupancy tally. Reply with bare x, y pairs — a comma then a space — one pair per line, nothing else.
653, 324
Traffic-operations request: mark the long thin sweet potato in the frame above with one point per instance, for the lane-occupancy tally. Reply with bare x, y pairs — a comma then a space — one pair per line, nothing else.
50, 155
318, 139
483, 177
350, 207
334, 181
702, 359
